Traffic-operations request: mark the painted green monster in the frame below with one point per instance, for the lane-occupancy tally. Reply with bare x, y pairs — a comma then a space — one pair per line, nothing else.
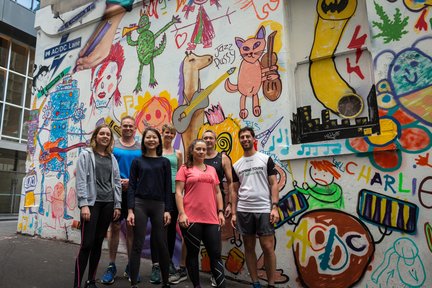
146, 48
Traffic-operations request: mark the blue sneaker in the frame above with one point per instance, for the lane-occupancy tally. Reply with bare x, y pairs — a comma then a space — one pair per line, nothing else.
256, 285
110, 273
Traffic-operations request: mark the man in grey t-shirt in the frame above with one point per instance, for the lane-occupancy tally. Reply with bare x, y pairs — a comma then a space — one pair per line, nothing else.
255, 205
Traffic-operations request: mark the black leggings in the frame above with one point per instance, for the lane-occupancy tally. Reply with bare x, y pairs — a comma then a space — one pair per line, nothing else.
92, 235
171, 236
210, 235
154, 210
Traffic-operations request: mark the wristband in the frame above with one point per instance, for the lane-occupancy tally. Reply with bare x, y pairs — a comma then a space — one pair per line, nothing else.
220, 211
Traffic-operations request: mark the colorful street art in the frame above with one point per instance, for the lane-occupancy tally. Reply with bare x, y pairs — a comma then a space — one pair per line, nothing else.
146, 48
331, 248
252, 74
339, 93
401, 266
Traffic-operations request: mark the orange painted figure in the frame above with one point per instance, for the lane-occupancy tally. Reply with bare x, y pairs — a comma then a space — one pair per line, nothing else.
155, 113
251, 74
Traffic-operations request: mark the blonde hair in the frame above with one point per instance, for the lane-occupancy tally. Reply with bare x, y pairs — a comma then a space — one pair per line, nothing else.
169, 127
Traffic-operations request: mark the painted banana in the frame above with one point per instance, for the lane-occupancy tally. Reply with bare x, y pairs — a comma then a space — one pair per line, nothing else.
329, 87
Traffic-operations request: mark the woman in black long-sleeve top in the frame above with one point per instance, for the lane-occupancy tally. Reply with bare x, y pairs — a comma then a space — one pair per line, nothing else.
149, 196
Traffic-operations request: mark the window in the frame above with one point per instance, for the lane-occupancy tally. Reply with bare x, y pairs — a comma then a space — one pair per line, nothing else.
2, 82
31, 63
25, 124
28, 94
29, 4
16, 92
19, 58
11, 121
15, 89
4, 52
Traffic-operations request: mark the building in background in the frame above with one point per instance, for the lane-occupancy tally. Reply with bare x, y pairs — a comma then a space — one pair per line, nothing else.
17, 44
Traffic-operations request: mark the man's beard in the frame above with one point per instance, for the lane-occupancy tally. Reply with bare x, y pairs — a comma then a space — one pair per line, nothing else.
248, 148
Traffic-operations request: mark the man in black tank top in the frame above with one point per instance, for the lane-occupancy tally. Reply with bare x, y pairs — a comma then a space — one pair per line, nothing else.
222, 164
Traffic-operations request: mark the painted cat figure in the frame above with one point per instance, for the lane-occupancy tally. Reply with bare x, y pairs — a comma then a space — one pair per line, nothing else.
251, 74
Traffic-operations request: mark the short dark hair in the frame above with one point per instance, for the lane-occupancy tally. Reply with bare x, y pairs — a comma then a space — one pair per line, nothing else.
209, 131
245, 129
127, 117
158, 148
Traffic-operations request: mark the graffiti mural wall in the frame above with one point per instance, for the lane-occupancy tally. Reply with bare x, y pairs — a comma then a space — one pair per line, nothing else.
339, 93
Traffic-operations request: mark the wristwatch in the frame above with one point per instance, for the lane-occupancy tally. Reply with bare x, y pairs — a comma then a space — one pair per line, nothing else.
275, 204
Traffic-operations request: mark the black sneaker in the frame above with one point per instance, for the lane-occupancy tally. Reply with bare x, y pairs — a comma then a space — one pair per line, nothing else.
172, 269
183, 274
179, 276
90, 284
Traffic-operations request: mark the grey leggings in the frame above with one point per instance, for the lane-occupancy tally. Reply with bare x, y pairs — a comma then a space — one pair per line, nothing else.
154, 210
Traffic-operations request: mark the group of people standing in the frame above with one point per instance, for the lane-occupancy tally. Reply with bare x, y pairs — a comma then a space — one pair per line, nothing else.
126, 180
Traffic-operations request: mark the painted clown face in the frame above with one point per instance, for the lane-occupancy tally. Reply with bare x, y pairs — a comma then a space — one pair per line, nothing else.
155, 113
104, 84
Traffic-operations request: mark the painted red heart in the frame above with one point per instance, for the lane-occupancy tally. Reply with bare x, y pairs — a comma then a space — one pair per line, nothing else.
180, 39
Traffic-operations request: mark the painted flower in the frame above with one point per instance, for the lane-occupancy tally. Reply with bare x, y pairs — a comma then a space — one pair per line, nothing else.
79, 113
47, 111
400, 132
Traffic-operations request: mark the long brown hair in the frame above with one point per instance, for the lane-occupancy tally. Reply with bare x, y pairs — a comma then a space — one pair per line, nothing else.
189, 158
93, 143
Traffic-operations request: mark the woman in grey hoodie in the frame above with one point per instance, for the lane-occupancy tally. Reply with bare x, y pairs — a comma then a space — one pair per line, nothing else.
98, 189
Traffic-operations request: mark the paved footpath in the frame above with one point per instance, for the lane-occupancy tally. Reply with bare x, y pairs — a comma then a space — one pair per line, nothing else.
32, 262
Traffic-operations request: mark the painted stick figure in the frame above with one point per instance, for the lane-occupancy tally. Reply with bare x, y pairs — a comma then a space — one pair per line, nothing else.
324, 192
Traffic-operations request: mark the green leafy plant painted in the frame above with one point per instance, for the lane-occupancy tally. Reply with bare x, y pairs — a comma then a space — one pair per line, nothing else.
391, 30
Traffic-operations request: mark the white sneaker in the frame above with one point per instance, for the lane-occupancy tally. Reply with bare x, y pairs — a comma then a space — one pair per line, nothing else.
213, 281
